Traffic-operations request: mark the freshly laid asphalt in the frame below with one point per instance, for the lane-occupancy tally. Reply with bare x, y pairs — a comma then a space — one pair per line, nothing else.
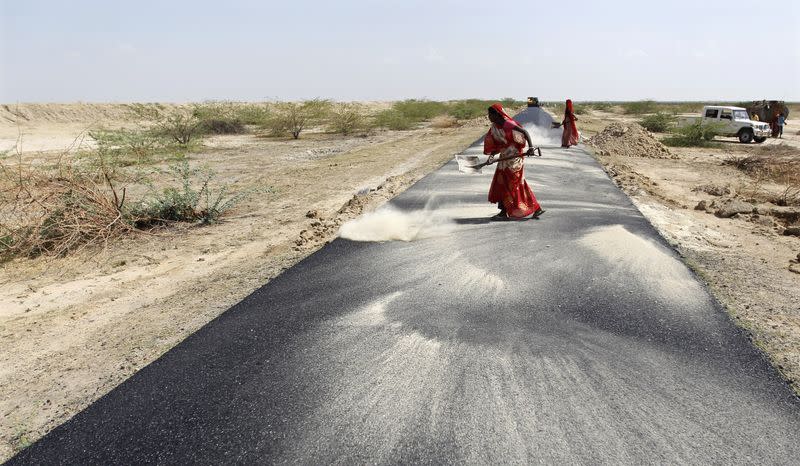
576, 338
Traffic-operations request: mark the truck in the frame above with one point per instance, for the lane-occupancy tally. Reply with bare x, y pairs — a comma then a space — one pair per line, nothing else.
731, 122
768, 111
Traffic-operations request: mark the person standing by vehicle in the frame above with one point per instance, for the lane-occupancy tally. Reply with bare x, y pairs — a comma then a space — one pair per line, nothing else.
570, 135
779, 124
509, 189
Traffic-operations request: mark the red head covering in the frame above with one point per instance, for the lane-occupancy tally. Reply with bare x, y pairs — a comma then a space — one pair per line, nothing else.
569, 106
492, 144
499, 109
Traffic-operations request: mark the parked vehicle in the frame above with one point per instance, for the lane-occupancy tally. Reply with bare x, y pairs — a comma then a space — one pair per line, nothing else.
768, 111
731, 122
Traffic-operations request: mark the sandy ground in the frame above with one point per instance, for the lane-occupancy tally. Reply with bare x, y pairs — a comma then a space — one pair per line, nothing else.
748, 264
72, 329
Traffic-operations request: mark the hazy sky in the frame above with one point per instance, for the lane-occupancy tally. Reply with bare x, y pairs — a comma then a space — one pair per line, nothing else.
58, 51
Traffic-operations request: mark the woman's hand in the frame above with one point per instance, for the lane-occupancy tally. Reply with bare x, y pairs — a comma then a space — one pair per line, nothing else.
530, 151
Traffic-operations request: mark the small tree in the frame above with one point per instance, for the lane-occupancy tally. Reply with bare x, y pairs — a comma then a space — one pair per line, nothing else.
181, 128
294, 117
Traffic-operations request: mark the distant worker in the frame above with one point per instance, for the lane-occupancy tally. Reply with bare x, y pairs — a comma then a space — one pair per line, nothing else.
755, 117
779, 124
509, 189
570, 135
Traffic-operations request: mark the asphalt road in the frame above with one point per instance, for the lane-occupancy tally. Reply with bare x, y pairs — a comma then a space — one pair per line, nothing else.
576, 338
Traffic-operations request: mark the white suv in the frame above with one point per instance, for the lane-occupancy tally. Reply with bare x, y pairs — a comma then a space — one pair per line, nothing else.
732, 122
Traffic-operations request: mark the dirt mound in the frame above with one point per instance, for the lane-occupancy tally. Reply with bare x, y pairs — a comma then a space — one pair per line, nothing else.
629, 141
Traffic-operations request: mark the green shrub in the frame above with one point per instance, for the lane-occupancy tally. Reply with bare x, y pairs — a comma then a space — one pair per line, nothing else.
420, 110
659, 122
601, 106
219, 118
180, 128
510, 103
252, 114
693, 135
149, 112
126, 147
191, 199
640, 107
393, 119
294, 117
222, 126
346, 118
683, 107
582, 109
468, 109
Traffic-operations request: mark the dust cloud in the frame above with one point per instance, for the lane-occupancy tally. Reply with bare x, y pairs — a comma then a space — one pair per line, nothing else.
542, 136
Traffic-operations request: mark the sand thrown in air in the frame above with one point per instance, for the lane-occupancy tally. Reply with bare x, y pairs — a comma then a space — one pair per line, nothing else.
391, 224
542, 136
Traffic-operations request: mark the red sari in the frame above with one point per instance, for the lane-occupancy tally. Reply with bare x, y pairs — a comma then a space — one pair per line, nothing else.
509, 185
570, 135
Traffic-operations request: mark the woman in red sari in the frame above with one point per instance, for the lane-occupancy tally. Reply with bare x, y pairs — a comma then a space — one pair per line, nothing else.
570, 135
509, 189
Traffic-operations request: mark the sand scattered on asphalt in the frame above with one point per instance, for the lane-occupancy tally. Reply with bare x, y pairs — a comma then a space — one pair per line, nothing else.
643, 259
392, 224
372, 314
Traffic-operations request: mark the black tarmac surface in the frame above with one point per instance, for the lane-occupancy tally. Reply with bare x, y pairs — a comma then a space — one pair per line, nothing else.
577, 338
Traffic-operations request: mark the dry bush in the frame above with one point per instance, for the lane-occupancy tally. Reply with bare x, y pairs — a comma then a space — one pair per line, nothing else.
57, 210
784, 171
444, 121
82, 201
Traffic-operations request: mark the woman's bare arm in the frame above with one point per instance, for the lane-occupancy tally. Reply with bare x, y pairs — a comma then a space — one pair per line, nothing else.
525, 133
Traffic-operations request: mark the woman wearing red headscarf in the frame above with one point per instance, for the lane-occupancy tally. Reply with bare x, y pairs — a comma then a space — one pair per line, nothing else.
509, 189
570, 135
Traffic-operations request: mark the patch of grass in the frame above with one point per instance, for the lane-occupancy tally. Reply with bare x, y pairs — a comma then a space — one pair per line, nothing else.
20, 440
659, 122
693, 135
640, 107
